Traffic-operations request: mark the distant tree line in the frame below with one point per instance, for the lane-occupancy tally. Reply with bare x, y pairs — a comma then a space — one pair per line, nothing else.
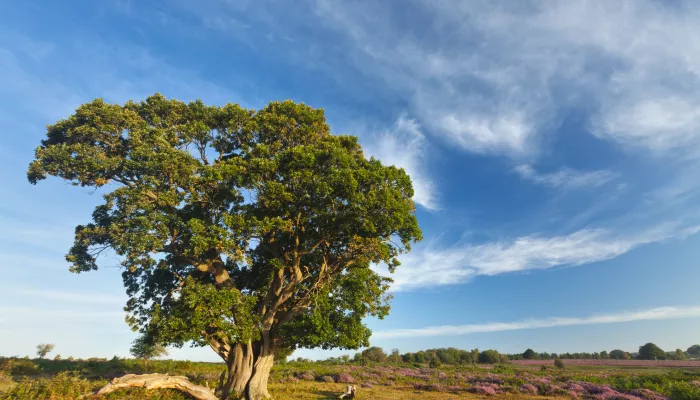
454, 356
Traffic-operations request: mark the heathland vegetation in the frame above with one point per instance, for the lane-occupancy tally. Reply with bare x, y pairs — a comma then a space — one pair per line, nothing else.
431, 374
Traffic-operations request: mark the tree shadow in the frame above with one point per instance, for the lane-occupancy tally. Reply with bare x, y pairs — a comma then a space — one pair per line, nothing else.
328, 394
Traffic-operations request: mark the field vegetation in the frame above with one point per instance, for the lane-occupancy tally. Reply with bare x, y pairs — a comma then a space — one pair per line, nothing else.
390, 378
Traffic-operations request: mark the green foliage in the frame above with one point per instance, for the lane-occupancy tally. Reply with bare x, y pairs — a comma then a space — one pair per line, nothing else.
233, 222
145, 349
489, 357
682, 390
675, 355
395, 356
449, 356
530, 354
44, 348
374, 354
435, 364
19, 366
694, 351
650, 351
619, 355
559, 363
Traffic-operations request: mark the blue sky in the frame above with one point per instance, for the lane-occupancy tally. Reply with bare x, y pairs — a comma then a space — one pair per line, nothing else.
553, 147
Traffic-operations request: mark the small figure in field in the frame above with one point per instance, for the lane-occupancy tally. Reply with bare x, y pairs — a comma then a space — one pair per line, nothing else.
349, 392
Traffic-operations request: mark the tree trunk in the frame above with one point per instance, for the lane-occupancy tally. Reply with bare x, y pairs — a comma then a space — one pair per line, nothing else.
247, 371
239, 368
257, 385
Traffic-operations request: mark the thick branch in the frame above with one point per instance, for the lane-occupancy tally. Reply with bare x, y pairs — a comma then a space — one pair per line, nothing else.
159, 381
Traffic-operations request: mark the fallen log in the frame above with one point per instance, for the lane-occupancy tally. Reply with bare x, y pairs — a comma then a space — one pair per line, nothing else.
159, 381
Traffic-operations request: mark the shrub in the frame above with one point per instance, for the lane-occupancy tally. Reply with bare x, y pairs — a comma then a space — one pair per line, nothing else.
559, 363
502, 369
374, 354
682, 391
306, 376
489, 357
344, 377
530, 354
528, 388
435, 364
484, 388
24, 367
327, 379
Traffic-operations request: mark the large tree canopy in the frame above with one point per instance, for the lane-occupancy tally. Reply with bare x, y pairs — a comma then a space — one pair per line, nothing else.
247, 231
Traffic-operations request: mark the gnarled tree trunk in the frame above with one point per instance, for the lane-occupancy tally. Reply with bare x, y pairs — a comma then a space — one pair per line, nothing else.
247, 370
239, 368
257, 385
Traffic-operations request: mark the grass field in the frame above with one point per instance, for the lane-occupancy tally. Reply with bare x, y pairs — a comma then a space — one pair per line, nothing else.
22, 379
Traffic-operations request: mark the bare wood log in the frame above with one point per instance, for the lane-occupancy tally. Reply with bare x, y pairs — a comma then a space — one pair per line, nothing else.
349, 392
159, 381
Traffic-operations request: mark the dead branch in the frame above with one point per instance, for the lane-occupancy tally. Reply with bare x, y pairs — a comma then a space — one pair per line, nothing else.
159, 381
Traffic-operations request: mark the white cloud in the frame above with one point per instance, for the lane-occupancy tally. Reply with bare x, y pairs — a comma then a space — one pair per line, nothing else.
566, 178
653, 314
429, 266
491, 78
405, 146
659, 124
494, 78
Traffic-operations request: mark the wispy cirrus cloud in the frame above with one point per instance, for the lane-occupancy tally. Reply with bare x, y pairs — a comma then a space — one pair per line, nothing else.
566, 178
660, 313
429, 265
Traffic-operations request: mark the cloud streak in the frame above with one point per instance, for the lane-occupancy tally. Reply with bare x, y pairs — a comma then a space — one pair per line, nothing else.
430, 266
659, 313
566, 178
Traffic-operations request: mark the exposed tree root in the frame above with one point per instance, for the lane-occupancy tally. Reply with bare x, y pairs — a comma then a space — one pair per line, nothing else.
349, 392
159, 381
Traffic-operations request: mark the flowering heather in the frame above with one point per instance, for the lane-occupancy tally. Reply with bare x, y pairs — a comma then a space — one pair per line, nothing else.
541, 380
344, 377
528, 388
306, 376
484, 388
488, 378
442, 375
647, 394
573, 386
328, 379
289, 379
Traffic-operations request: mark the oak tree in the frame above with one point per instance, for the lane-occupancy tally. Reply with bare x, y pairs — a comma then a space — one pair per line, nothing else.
43, 349
246, 231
